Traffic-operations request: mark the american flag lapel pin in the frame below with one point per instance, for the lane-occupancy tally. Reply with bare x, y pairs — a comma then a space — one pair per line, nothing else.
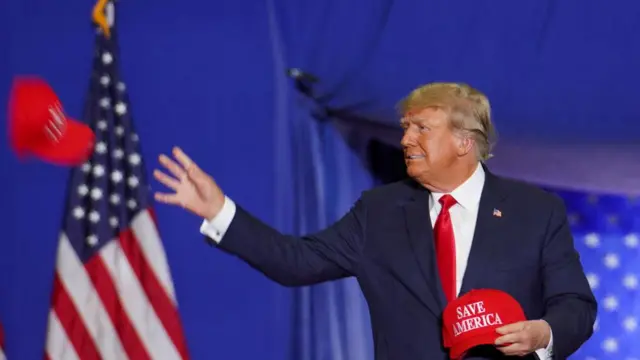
497, 213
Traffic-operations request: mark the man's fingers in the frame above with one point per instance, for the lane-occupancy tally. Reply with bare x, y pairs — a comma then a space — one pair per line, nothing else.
509, 339
518, 339
511, 328
168, 198
167, 180
172, 166
184, 160
195, 174
199, 179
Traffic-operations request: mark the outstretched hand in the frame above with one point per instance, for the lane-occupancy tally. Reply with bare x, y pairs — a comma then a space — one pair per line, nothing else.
193, 189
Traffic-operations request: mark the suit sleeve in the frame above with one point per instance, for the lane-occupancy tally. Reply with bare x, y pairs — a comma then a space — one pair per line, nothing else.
330, 254
570, 305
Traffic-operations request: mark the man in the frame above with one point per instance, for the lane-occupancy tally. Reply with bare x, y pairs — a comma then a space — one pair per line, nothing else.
416, 244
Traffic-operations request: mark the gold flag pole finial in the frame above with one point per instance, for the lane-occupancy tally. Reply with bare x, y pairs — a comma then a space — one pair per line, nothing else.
99, 17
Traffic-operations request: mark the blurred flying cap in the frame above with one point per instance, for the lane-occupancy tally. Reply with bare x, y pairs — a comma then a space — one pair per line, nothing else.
38, 125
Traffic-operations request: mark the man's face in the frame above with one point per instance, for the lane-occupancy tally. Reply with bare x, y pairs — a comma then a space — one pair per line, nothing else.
429, 144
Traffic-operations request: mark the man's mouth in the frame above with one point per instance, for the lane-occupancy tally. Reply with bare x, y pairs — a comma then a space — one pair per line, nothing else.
415, 157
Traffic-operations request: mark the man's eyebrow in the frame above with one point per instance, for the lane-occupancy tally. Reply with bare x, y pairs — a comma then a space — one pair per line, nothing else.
409, 119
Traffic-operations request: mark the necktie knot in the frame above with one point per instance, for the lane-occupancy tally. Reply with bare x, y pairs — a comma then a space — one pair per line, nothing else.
447, 201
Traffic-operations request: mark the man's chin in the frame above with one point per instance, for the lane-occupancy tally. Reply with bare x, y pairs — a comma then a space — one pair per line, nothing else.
414, 171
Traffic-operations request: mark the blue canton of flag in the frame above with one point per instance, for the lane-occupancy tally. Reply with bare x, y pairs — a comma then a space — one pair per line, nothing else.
113, 296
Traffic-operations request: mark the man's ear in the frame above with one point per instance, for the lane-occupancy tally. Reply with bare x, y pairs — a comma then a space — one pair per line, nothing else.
465, 144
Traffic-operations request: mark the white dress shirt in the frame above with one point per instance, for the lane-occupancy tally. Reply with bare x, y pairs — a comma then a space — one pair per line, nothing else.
463, 218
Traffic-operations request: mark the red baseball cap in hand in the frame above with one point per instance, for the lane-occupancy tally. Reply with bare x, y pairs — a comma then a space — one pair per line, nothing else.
472, 319
38, 125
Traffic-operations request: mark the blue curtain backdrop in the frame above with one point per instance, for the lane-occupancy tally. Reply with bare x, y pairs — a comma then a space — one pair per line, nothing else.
331, 320
321, 172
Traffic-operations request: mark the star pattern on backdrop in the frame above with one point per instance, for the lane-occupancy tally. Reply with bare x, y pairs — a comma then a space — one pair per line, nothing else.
606, 231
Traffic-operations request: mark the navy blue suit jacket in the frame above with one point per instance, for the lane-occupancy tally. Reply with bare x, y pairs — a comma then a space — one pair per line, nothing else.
386, 242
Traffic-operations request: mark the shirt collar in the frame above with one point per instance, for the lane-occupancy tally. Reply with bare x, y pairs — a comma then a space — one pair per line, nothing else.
468, 193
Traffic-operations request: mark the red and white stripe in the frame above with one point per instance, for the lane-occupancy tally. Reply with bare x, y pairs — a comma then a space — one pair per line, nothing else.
121, 304
2, 355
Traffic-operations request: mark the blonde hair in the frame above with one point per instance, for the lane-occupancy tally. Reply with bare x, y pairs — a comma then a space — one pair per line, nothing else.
469, 111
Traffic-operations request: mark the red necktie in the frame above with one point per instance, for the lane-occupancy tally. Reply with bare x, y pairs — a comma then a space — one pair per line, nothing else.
446, 248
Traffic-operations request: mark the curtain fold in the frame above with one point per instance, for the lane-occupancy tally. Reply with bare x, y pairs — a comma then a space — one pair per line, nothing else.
331, 320
321, 172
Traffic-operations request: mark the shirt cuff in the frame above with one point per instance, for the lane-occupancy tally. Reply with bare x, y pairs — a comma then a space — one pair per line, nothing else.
546, 353
216, 228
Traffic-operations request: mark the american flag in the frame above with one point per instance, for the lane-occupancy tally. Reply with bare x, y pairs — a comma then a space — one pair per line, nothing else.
113, 295
606, 230
2, 355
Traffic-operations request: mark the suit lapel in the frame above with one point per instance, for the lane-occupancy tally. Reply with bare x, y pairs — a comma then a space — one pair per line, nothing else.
487, 231
421, 238
486, 235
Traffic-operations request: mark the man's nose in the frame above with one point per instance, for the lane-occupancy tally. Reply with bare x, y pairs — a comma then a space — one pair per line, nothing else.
406, 140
